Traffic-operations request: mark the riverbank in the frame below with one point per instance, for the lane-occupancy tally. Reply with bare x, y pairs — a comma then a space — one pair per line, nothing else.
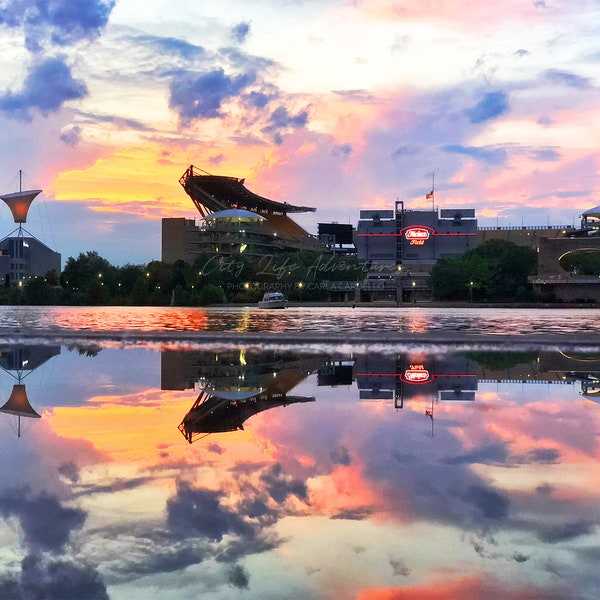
442, 304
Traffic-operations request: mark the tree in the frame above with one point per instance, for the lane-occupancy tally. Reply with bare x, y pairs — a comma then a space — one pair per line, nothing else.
87, 269
126, 277
495, 270
509, 266
459, 277
211, 294
38, 292
582, 262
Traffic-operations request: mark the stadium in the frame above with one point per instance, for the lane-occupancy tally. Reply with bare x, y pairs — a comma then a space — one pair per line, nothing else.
234, 220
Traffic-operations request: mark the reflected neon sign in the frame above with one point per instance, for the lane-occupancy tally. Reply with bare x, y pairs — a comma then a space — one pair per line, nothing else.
416, 375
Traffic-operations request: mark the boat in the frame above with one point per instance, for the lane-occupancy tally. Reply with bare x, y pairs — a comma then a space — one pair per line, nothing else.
273, 300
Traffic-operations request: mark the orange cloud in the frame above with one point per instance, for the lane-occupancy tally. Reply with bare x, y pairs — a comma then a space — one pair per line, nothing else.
473, 586
344, 489
145, 180
472, 13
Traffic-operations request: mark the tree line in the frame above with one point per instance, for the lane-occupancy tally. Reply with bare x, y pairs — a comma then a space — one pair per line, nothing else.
90, 279
496, 270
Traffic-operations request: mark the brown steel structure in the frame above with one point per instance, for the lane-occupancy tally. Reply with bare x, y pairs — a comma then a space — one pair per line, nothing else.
211, 193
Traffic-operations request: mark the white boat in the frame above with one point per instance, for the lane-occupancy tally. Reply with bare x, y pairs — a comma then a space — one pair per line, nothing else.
273, 300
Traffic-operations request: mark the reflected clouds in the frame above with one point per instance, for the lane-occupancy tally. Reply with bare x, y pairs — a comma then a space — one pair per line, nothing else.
492, 473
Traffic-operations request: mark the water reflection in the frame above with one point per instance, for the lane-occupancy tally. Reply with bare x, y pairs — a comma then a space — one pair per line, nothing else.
234, 385
343, 493
18, 362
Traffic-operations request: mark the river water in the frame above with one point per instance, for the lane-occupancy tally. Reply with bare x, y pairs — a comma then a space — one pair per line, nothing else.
334, 320
169, 470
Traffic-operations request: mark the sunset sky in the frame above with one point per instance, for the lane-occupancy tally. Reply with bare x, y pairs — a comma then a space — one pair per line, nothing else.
339, 105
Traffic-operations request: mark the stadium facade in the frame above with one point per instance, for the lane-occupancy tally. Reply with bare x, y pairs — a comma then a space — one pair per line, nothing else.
397, 247
234, 220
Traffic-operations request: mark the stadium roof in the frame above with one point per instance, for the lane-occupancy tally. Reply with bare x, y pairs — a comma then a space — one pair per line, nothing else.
592, 212
235, 214
212, 193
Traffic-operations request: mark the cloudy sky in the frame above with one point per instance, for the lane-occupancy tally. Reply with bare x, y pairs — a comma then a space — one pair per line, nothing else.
336, 104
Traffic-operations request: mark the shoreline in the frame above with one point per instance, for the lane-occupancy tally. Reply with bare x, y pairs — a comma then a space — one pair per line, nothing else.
433, 304
348, 304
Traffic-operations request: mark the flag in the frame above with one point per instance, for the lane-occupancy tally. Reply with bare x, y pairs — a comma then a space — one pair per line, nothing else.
429, 413
429, 196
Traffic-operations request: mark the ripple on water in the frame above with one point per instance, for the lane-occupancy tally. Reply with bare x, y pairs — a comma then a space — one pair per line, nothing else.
337, 320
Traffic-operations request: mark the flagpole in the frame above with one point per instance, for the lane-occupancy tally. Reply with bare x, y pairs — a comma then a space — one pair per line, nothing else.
431, 194
432, 416
429, 413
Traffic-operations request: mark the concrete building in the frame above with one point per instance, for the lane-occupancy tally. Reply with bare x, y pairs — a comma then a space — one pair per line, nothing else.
23, 258
399, 247
553, 280
527, 236
223, 233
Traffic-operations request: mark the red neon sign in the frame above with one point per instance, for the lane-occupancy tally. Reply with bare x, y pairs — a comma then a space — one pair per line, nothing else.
417, 234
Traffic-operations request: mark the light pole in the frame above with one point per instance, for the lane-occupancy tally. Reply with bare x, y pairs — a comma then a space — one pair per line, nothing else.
471, 292
414, 295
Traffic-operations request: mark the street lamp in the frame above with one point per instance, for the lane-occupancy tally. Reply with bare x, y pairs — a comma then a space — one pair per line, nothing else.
471, 291
414, 284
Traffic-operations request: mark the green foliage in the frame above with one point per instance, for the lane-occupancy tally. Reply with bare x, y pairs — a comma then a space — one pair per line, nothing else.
211, 294
459, 277
494, 271
582, 262
80, 272
509, 265
39, 292
499, 361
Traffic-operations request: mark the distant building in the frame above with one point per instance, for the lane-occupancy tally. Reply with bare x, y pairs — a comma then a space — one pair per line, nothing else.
552, 281
527, 236
233, 220
399, 247
24, 258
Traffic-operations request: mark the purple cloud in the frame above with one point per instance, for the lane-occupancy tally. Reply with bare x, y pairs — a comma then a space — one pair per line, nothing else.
488, 154
240, 31
47, 87
46, 523
491, 105
281, 119
202, 96
62, 21
568, 79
